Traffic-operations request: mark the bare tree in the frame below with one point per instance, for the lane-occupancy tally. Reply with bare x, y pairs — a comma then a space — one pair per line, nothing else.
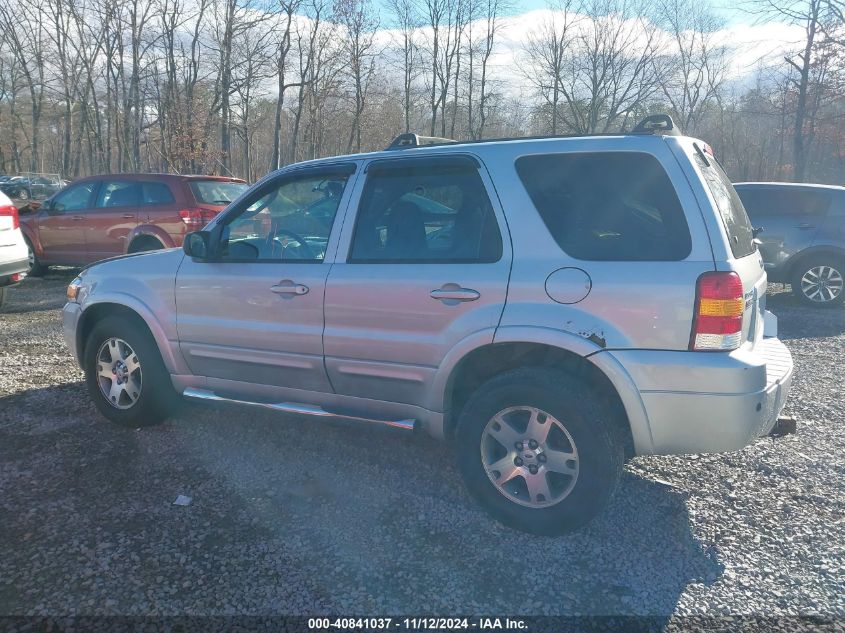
359, 24
695, 67
407, 22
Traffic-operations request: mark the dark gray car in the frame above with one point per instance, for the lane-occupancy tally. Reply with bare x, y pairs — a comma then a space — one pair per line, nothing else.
803, 236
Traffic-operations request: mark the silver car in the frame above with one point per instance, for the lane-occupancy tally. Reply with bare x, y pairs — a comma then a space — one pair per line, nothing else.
550, 307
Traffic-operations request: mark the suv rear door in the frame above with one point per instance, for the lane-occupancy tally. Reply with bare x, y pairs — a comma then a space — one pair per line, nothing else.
422, 265
789, 216
115, 214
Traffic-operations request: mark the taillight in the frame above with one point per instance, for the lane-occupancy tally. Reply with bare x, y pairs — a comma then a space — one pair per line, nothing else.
11, 211
719, 304
195, 218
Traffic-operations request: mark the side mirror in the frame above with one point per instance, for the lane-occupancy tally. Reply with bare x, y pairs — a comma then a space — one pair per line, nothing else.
756, 231
198, 245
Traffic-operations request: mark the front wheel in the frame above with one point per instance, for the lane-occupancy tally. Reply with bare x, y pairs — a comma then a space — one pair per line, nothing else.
818, 281
539, 450
125, 375
36, 268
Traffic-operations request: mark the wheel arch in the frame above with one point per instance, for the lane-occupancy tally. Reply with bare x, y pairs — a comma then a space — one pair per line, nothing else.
135, 311
148, 232
579, 357
798, 259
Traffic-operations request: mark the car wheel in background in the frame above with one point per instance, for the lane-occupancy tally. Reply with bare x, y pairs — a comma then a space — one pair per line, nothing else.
125, 375
538, 449
819, 281
143, 244
36, 268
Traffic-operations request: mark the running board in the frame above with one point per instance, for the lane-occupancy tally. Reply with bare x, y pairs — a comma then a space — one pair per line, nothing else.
298, 409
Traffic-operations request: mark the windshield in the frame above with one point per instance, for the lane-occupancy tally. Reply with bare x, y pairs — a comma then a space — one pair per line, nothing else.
217, 191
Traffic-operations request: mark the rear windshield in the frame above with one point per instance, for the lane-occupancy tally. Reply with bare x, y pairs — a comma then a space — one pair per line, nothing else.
217, 191
736, 222
607, 206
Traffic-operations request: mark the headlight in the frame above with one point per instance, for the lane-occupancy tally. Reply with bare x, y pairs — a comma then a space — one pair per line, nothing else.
73, 290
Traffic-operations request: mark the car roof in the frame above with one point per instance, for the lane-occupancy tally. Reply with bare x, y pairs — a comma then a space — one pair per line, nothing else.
160, 176
481, 147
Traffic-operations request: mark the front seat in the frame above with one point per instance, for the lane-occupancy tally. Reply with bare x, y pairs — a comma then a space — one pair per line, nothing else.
406, 238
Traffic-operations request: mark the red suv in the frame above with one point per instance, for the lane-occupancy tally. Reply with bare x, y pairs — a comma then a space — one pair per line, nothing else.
103, 216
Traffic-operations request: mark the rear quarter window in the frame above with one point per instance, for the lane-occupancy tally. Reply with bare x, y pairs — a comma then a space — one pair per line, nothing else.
607, 206
728, 204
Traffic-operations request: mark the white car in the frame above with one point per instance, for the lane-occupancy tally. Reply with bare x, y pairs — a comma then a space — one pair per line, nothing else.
14, 255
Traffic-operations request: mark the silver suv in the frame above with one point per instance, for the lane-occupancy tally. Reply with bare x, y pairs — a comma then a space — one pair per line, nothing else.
549, 306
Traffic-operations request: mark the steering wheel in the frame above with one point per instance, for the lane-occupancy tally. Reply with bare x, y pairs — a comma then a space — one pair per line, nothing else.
271, 239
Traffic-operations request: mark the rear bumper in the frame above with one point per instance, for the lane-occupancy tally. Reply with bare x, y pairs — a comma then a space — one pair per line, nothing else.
7, 269
700, 402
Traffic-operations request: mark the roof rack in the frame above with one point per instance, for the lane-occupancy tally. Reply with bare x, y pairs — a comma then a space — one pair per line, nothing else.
404, 141
661, 124
657, 124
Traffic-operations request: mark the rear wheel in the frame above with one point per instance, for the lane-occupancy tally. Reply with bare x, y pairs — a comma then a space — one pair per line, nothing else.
819, 281
143, 244
539, 450
125, 375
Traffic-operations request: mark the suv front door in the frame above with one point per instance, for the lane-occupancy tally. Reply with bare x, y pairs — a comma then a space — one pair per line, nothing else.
61, 224
255, 313
424, 267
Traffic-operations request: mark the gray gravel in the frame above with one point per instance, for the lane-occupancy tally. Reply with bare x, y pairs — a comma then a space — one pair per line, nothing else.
290, 516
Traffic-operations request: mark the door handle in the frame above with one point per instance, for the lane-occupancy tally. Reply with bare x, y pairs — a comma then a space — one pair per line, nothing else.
452, 293
77, 217
128, 216
289, 288
804, 226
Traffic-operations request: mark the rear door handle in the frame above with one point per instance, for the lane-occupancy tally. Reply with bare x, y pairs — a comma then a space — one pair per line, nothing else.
804, 226
128, 216
289, 288
452, 293
77, 217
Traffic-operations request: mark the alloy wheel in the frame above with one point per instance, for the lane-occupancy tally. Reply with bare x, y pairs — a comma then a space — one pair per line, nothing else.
529, 456
822, 284
119, 373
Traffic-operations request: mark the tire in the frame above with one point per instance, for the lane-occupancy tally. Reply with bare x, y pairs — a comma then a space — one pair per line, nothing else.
579, 420
819, 281
142, 245
36, 268
2, 297
144, 396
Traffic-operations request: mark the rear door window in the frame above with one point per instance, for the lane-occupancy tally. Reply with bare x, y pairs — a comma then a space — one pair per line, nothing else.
156, 193
116, 193
729, 205
608, 206
783, 202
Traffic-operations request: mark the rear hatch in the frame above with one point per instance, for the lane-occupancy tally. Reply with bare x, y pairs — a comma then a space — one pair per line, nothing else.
744, 257
212, 195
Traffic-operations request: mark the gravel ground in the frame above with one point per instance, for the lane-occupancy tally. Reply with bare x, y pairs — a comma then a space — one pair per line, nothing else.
294, 517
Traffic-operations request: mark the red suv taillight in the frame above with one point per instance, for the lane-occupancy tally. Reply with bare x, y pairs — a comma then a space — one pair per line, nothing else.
717, 322
11, 211
195, 219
